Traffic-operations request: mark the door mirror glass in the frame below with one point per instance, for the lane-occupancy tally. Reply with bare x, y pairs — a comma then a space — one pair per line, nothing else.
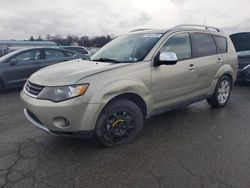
166, 58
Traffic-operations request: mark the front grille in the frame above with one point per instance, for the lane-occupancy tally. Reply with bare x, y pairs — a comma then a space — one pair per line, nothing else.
33, 89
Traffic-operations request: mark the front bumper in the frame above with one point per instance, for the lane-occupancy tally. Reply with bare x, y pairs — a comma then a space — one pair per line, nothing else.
81, 116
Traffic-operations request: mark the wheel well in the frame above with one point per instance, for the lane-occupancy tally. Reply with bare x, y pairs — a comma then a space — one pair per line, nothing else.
135, 99
230, 76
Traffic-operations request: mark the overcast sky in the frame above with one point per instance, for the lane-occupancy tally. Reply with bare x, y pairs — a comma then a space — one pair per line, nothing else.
19, 19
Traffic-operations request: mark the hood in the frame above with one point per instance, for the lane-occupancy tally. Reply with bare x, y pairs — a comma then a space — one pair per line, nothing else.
70, 72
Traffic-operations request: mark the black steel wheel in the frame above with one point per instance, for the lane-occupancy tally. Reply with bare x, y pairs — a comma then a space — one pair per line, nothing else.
119, 123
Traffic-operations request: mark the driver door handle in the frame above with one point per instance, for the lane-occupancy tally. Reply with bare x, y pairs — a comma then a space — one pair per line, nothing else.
191, 67
219, 61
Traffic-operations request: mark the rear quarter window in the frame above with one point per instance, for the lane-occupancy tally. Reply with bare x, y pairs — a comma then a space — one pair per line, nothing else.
203, 44
221, 43
53, 54
69, 54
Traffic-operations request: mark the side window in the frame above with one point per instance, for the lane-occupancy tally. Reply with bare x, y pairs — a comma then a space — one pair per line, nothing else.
180, 44
54, 54
27, 56
81, 50
203, 44
69, 54
222, 43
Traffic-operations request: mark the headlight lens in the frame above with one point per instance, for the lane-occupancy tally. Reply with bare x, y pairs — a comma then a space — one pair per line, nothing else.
62, 93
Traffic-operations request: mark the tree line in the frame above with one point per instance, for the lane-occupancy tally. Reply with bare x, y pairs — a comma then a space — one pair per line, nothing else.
86, 41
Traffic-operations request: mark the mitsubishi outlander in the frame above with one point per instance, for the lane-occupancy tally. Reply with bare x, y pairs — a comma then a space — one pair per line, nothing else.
135, 76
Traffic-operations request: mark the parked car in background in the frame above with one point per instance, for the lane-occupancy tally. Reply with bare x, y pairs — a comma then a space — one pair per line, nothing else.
79, 49
244, 66
93, 50
16, 67
241, 43
133, 77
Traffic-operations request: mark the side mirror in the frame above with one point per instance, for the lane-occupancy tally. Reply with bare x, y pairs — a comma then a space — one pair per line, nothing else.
13, 62
165, 58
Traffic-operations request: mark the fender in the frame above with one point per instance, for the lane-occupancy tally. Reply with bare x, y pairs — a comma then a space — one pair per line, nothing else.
118, 87
224, 70
115, 88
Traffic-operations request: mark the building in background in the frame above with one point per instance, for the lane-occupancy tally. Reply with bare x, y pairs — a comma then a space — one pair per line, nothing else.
7, 46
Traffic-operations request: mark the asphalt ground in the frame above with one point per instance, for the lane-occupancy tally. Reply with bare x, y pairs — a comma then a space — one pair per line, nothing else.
194, 146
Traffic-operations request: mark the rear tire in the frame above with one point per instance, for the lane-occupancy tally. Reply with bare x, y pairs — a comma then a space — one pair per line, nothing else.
221, 93
119, 123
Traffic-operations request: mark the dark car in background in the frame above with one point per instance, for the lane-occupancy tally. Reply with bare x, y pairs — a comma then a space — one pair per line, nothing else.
16, 67
241, 43
79, 49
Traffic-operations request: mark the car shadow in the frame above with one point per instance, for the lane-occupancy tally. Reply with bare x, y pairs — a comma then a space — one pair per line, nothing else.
151, 126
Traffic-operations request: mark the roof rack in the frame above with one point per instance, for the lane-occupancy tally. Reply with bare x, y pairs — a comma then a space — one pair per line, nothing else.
139, 30
197, 26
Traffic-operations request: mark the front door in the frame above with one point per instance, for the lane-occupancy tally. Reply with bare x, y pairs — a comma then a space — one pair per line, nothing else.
19, 68
174, 83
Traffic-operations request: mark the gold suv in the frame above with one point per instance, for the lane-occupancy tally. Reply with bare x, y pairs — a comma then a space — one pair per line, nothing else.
135, 76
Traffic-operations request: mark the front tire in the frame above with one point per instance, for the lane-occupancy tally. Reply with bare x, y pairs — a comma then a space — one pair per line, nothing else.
119, 123
221, 93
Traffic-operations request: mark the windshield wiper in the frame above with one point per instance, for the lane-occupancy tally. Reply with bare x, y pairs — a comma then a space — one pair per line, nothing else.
106, 60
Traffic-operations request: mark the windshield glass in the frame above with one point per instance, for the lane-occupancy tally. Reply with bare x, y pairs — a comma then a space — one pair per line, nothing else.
243, 53
127, 48
3, 58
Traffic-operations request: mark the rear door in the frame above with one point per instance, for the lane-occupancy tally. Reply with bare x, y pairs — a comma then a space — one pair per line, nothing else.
53, 56
19, 68
207, 61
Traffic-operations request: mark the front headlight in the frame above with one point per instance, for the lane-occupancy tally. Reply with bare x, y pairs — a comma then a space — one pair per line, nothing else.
62, 93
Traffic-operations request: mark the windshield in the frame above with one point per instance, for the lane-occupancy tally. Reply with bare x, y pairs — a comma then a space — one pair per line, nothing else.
243, 53
127, 48
3, 58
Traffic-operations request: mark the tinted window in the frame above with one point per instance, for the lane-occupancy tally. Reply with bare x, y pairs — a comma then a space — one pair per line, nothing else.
27, 56
203, 44
77, 49
180, 44
80, 50
54, 54
69, 54
222, 43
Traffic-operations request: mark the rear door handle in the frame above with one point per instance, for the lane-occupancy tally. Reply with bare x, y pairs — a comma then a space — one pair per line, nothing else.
191, 67
220, 61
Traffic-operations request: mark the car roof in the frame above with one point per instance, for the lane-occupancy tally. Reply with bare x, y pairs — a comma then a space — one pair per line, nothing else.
39, 48
71, 46
183, 27
31, 48
149, 31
